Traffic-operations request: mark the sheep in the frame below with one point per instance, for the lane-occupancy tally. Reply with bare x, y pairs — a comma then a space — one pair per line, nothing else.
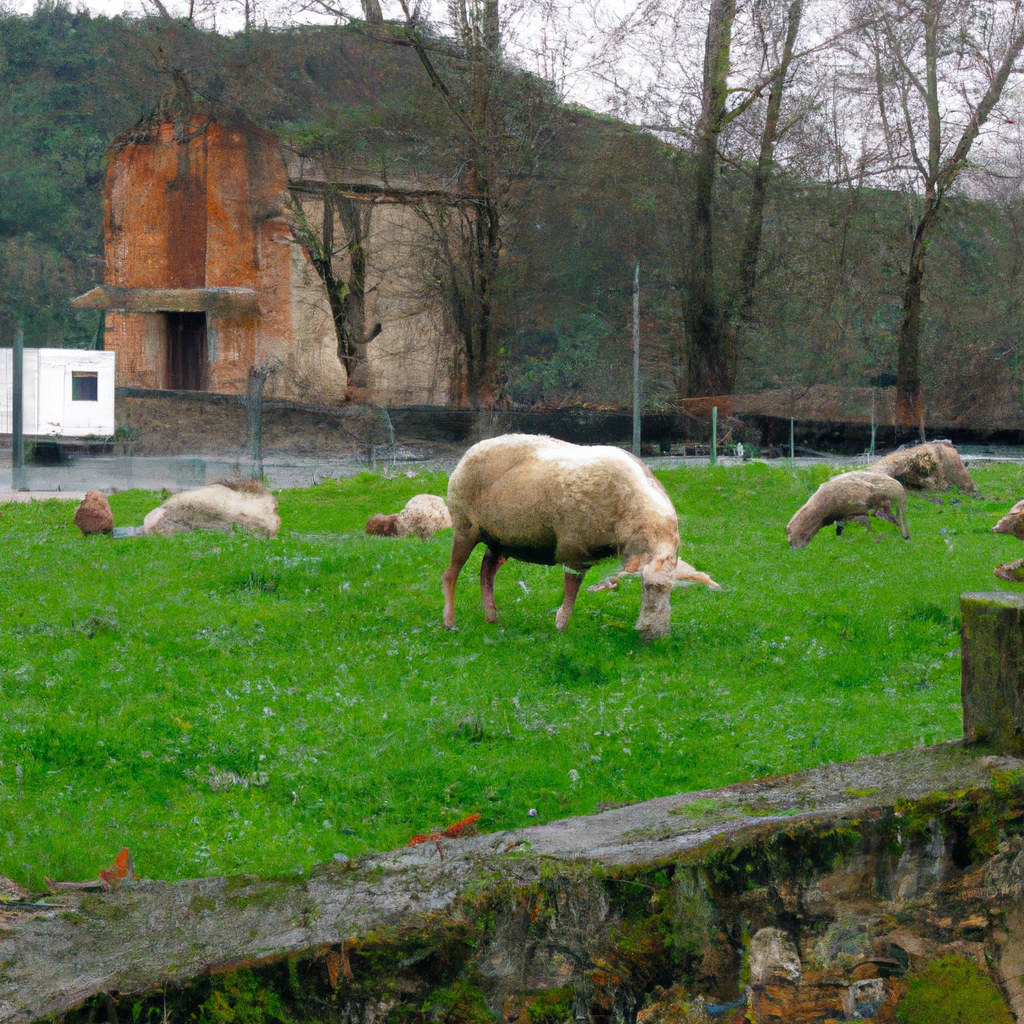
541, 500
244, 503
423, 515
935, 466
850, 496
1013, 524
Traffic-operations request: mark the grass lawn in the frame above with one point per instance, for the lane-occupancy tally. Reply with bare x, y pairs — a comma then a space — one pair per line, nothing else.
225, 704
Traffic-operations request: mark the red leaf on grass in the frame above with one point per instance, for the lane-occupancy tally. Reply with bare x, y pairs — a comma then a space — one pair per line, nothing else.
456, 831
460, 828
123, 869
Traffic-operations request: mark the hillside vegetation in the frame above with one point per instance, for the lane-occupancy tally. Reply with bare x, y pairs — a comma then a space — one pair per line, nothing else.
594, 197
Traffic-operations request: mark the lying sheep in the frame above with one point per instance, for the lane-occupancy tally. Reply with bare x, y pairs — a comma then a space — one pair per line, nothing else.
850, 496
935, 466
221, 506
423, 515
540, 500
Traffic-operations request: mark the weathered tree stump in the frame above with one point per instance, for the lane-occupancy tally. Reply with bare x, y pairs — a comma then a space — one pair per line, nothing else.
992, 669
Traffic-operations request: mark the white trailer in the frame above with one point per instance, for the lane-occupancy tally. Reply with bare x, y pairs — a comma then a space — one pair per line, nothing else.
68, 392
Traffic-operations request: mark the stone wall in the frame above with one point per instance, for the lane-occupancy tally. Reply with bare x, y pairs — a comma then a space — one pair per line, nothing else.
844, 893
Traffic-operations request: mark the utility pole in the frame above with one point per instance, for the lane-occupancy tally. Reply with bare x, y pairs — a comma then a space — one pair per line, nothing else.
872, 451
17, 412
636, 361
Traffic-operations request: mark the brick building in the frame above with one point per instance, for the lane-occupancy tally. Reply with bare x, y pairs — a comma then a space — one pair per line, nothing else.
204, 280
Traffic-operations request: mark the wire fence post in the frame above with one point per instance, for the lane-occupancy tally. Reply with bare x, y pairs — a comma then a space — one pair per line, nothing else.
18, 482
254, 416
792, 451
872, 449
714, 435
636, 362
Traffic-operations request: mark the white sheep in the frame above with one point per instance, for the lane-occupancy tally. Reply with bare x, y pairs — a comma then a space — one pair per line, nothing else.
935, 466
423, 515
1013, 524
246, 504
850, 496
550, 502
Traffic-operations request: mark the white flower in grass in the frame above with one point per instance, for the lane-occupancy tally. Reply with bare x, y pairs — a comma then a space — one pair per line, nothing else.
574, 777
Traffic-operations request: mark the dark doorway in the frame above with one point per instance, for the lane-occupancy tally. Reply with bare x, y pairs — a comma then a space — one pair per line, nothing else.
186, 351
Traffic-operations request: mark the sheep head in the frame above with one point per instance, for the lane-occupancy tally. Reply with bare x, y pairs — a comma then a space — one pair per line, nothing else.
804, 525
1013, 522
382, 526
660, 576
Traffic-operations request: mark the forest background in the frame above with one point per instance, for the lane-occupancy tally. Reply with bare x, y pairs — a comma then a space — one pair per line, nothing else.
815, 193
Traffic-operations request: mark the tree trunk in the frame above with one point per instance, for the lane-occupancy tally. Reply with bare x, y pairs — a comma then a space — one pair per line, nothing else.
759, 187
356, 332
712, 356
471, 282
938, 180
908, 374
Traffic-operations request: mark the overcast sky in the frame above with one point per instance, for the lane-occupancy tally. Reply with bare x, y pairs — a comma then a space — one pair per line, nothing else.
546, 36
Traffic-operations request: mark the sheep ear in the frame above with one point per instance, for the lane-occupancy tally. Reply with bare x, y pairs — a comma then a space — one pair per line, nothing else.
685, 575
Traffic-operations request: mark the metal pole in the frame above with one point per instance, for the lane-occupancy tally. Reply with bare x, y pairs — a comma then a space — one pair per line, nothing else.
872, 423
254, 414
636, 362
17, 412
714, 436
791, 450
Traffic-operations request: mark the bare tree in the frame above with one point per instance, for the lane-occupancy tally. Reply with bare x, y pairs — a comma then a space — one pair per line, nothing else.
731, 113
329, 252
939, 69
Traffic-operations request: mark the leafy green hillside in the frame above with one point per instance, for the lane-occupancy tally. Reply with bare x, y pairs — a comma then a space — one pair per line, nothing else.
587, 198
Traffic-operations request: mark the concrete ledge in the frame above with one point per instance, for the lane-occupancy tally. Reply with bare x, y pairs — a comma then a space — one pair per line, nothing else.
221, 301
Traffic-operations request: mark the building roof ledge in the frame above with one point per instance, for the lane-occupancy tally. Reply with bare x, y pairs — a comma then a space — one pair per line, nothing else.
231, 302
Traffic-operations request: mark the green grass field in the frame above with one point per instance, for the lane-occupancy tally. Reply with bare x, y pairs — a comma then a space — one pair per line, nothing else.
226, 704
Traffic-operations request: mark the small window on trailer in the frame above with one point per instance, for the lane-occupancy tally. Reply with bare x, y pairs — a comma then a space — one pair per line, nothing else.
84, 386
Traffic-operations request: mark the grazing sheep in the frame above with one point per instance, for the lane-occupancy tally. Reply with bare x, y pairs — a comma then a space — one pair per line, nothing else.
423, 515
849, 496
221, 506
935, 466
540, 500
1013, 524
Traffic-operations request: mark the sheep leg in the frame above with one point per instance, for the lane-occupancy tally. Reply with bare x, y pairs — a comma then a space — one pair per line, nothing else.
492, 562
573, 580
461, 550
901, 514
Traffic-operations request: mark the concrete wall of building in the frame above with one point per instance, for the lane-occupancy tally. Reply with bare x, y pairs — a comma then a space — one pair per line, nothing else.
412, 360
49, 405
